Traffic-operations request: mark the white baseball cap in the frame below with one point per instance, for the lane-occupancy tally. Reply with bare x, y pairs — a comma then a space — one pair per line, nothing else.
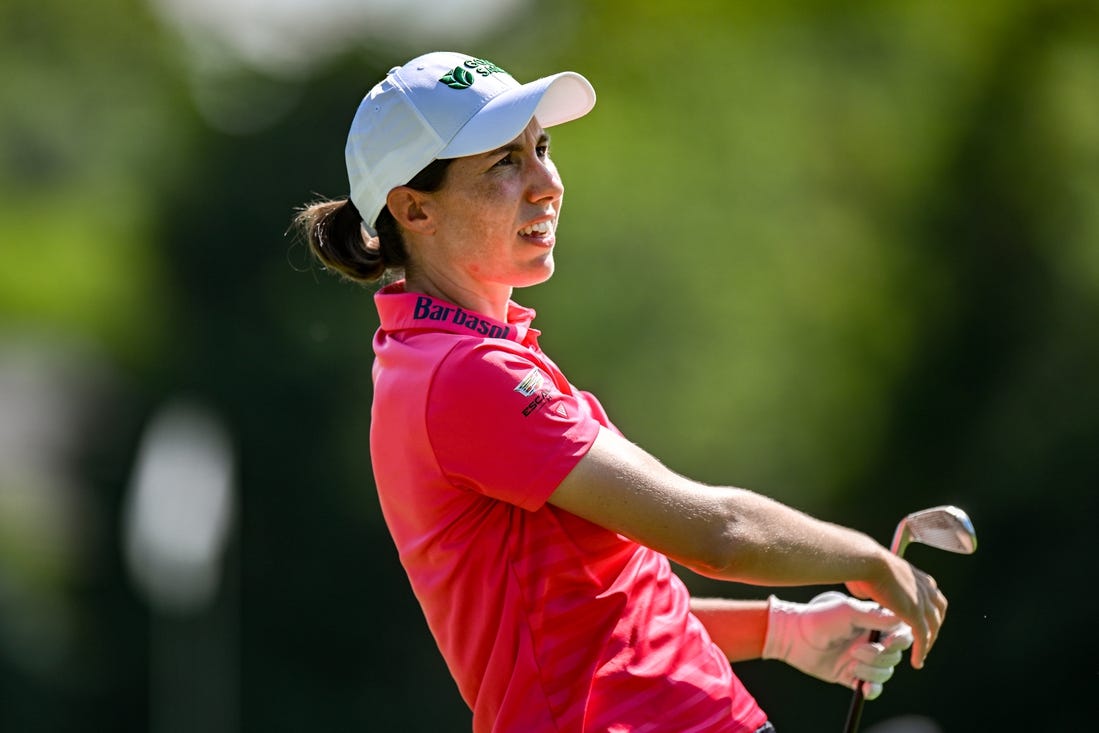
446, 105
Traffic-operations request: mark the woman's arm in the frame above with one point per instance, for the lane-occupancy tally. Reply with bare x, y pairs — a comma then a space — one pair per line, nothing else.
739, 628
826, 638
735, 534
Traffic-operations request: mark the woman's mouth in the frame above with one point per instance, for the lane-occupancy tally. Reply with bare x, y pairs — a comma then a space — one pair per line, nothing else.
541, 229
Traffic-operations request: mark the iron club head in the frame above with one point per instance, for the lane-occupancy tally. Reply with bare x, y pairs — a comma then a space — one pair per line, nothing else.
942, 527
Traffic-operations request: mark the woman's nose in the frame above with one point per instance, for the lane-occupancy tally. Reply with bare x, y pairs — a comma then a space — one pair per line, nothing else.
546, 182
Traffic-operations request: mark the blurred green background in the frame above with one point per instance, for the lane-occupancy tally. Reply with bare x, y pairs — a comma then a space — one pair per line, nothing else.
842, 253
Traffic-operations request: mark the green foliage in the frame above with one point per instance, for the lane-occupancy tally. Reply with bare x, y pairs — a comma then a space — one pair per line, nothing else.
90, 132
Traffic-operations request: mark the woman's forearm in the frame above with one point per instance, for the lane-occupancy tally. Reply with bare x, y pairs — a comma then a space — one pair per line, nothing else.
722, 532
763, 541
737, 627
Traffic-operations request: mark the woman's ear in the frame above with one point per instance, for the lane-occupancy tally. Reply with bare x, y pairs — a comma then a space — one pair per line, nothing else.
411, 209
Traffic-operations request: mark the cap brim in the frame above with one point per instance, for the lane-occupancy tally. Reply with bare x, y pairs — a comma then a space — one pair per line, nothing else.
552, 99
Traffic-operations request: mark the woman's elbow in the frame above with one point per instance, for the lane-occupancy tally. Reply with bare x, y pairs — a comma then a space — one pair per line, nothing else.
722, 548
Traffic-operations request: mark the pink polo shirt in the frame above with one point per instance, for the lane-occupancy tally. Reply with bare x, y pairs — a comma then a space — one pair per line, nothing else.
546, 621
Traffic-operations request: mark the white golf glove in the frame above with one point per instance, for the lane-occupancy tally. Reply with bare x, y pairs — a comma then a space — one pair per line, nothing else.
828, 639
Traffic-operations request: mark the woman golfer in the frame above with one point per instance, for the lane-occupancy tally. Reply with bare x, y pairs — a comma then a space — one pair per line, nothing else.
535, 536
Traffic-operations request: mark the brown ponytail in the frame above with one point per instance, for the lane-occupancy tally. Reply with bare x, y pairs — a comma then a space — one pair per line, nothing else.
333, 230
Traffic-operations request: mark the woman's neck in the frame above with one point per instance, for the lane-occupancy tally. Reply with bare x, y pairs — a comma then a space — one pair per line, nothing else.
488, 301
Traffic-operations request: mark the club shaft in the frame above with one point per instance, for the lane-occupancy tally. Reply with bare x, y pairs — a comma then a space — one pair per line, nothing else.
854, 712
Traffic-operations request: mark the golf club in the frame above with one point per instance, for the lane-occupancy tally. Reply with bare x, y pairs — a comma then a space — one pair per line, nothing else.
942, 527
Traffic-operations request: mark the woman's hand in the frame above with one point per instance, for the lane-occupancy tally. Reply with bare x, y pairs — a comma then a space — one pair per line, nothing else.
914, 596
827, 639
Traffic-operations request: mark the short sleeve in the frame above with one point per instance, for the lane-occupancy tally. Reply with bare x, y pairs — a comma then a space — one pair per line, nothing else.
500, 425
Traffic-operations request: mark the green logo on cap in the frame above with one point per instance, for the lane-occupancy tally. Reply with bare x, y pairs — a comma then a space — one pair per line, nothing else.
461, 78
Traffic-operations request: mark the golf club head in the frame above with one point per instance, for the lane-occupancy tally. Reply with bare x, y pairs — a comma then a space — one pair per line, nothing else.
942, 527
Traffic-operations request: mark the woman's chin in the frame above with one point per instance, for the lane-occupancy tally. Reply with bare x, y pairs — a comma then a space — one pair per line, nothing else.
537, 273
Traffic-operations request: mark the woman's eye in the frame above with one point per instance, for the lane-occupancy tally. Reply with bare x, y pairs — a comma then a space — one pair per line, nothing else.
505, 161
543, 151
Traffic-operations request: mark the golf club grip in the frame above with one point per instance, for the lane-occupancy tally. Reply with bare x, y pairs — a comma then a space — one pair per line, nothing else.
854, 713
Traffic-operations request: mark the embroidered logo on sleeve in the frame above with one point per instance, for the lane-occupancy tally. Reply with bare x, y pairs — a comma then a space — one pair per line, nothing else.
539, 401
530, 383
534, 385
